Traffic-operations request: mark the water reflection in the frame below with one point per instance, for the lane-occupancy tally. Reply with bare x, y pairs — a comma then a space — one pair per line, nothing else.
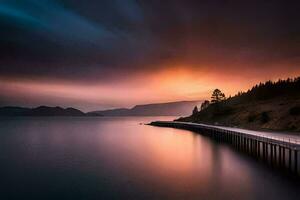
117, 158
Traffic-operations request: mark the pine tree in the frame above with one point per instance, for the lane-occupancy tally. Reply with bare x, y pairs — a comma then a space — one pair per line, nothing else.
195, 111
217, 96
204, 105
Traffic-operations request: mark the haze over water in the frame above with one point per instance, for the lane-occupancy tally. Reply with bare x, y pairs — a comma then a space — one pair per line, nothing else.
119, 158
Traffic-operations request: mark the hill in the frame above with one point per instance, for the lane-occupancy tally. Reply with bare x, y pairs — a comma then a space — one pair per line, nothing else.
158, 109
269, 105
39, 111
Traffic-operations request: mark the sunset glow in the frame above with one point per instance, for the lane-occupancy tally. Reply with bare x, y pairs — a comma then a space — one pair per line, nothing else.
68, 55
170, 84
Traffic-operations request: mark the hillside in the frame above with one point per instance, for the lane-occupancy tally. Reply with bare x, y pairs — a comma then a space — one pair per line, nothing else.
40, 111
159, 109
273, 106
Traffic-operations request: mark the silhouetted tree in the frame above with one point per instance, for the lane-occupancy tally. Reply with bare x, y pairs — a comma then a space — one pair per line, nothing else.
195, 111
204, 104
217, 96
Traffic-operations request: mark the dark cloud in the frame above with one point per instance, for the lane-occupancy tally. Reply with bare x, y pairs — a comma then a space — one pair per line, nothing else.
92, 40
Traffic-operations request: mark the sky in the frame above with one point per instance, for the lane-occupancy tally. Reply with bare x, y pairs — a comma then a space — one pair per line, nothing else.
98, 54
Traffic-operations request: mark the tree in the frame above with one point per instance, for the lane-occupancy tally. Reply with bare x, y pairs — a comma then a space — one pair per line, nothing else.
204, 105
217, 96
195, 111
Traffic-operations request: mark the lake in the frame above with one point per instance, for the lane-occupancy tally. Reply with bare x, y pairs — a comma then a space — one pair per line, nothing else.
120, 158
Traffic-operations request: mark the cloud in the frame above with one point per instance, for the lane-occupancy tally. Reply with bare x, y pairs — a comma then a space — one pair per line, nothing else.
54, 21
105, 39
108, 41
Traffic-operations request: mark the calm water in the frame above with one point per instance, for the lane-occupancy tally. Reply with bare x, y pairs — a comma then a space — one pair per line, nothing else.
117, 158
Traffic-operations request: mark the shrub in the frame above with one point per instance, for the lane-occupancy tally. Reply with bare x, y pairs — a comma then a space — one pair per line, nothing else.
295, 110
220, 110
292, 127
251, 118
265, 117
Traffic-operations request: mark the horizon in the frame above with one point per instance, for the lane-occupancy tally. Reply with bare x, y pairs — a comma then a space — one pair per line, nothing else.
151, 103
64, 107
111, 54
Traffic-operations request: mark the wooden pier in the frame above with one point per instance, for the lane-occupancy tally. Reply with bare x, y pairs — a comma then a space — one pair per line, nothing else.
276, 151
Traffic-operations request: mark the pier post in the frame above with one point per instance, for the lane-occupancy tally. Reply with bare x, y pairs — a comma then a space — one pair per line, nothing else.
254, 153
283, 157
251, 146
255, 148
296, 161
234, 140
271, 156
263, 150
267, 152
275, 154
248, 142
259, 149
240, 142
227, 137
290, 159
280, 156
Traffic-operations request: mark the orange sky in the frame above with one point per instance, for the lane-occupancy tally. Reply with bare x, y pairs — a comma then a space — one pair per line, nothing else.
168, 84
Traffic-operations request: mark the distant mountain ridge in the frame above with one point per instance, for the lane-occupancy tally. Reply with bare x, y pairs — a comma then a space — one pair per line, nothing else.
178, 108
157, 109
40, 111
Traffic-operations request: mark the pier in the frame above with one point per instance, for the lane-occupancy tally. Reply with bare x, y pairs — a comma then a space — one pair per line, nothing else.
275, 149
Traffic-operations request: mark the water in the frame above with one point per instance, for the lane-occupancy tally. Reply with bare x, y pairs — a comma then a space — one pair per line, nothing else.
118, 158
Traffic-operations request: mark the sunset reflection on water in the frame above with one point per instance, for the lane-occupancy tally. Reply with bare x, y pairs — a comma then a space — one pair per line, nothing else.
122, 158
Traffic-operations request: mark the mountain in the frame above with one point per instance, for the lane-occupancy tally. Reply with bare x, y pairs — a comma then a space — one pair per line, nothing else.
39, 111
158, 109
269, 105
110, 112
